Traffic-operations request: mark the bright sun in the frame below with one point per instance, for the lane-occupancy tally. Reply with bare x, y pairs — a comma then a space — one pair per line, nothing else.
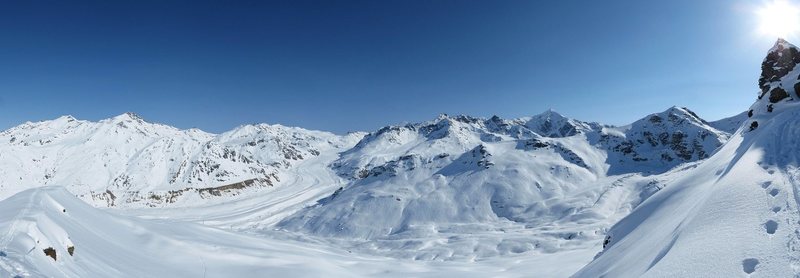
779, 18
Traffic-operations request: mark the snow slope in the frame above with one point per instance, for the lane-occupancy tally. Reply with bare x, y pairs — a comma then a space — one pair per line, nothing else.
734, 215
109, 245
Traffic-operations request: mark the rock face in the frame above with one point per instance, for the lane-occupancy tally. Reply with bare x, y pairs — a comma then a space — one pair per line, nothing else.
778, 82
661, 141
780, 60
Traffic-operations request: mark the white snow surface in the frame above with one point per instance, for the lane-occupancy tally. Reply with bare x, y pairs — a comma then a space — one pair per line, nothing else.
735, 212
110, 245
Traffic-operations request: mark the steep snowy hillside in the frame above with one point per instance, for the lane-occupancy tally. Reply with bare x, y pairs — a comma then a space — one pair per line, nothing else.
548, 183
127, 161
734, 215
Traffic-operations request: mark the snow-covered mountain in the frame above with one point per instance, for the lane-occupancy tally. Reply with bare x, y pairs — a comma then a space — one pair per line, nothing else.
126, 160
735, 214
463, 194
550, 184
456, 175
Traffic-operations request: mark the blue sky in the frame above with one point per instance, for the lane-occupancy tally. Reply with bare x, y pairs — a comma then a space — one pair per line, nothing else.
360, 65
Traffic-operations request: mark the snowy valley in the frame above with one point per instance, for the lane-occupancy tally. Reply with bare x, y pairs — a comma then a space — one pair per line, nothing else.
541, 196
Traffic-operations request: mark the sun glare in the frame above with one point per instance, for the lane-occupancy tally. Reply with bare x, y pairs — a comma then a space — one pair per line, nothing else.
779, 18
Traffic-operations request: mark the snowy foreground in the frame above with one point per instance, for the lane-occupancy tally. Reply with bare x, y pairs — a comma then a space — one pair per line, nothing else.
670, 195
109, 245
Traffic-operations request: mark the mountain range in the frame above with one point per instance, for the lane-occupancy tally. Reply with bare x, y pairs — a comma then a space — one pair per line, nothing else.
665, 195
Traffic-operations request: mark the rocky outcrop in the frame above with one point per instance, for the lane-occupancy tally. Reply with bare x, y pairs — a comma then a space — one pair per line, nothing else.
669, 138
780, 60
778, 82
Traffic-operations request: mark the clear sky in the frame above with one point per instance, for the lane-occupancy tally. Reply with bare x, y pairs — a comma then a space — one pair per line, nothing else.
360, 65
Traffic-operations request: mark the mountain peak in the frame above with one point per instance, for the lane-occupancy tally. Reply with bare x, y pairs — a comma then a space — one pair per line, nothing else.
66, 118
672, 116
552, 124
550, 115
685, 112
128, 117
778, 81
781, 44
779, 62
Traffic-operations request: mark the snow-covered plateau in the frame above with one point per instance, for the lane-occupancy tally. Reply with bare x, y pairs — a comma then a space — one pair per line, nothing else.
669, 195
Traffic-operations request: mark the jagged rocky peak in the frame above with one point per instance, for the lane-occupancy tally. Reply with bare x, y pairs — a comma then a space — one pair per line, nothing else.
779, 81
780, 61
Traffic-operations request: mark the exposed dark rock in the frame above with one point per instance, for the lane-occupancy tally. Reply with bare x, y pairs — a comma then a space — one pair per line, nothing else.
564, 152
753, 125
71, 250
777, 64
217, 191
655, 119
777, 94
482, 155
393, 167
533, 143
750, 113
50, 252
363, 173
797, 89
